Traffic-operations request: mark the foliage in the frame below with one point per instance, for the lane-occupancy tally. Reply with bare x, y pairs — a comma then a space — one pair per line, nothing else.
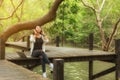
74, 21
29, 10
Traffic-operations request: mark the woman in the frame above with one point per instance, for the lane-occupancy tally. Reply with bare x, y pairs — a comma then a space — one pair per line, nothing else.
38, 40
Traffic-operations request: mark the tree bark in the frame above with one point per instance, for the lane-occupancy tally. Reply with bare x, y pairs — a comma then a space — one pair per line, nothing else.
13, 11
32, 24
97, 12
112, 35
1, 1
102, 34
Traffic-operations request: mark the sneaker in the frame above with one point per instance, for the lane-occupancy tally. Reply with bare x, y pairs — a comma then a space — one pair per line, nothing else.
51, 66
44, 75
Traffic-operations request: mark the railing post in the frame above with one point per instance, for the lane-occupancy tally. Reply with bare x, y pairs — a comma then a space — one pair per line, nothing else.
2, 49
57, 41
23, 38
117, 51
91, 70
28, 42
58, 72
91, 61
91, 41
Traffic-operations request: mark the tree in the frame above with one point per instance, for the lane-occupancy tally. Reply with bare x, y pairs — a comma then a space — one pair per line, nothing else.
97, 8
67, 21
31, 24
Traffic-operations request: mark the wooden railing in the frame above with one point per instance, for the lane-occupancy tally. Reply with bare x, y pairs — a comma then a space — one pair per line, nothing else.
59, 64
2, 49
58, 73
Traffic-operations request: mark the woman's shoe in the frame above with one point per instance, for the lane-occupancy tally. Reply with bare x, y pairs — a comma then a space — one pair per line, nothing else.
51, 66
44, 75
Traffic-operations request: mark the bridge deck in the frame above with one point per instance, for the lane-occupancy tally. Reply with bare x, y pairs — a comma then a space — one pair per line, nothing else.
10, 71
71, 54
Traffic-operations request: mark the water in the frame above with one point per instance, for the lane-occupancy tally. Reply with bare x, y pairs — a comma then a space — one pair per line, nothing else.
79, 70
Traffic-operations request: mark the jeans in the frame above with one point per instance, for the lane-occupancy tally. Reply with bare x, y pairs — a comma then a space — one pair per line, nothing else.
43, 56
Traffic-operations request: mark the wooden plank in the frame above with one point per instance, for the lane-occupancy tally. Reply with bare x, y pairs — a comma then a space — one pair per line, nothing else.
15, 58
18, 45
73, 54
12, 56
117, 51
10, 71
64, 51
78, 54
104, 72
22, 54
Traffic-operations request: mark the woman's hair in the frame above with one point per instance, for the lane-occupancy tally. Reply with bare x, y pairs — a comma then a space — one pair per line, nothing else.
39, 32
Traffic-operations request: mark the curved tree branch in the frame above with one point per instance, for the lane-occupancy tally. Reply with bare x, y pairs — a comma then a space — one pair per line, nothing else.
1, 1
112, 34
88, 5
103, 2
13, 11
21, 10
98, 3
108, 11
32, 24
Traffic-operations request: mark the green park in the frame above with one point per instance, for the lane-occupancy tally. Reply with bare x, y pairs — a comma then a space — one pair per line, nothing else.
84, 39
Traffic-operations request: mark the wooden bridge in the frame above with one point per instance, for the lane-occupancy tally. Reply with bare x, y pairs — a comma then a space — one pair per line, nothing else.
55, 54
10, 71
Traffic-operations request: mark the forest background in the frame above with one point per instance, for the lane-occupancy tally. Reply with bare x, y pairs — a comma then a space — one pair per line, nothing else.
75, 20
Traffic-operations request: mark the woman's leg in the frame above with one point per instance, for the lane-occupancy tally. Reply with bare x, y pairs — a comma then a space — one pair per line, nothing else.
45, 58
43, 68
36, 53
43, 65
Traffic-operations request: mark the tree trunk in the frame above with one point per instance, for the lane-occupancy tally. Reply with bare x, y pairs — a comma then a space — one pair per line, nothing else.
97, 12
32, 24
108, 44
102, 34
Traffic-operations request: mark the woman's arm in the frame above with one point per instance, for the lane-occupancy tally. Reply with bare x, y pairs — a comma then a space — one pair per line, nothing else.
32, 38
45, 39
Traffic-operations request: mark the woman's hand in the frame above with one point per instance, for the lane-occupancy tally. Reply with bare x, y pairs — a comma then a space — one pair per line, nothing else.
45, 38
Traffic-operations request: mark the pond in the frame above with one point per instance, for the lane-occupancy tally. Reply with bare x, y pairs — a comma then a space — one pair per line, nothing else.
79, 70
